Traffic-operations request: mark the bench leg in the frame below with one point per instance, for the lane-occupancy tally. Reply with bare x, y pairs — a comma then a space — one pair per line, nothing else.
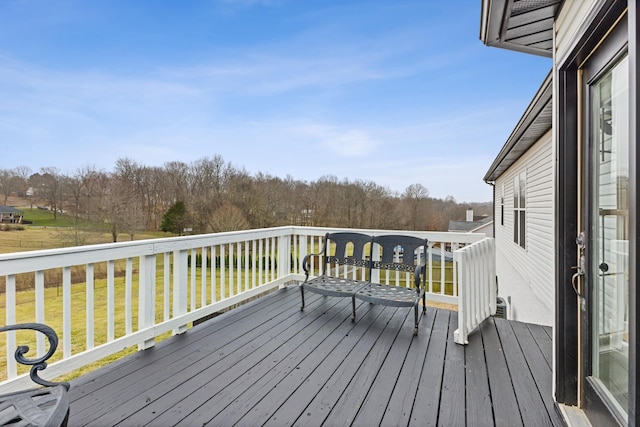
353, 308
302, 295
415, 312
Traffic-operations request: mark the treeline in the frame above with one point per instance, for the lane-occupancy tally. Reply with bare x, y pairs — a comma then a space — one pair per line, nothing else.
216, 196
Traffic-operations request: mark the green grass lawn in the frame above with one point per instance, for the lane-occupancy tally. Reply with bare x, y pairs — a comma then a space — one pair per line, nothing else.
54, 314
48, 233
45, 218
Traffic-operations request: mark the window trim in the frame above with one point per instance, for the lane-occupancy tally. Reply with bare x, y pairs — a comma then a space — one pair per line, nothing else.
502, 206
520, 209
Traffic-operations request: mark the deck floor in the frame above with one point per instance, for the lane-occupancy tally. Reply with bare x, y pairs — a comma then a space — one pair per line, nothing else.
268, 363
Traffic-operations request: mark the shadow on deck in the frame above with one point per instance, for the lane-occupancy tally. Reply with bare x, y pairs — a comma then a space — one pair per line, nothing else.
269, 363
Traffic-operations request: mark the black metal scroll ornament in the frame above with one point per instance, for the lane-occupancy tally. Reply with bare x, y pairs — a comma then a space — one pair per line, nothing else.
40, 363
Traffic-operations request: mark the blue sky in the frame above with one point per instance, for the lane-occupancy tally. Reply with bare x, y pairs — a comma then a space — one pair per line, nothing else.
395, 92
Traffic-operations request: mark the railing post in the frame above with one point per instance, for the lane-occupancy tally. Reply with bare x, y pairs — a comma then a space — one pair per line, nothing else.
193, 279
128, 297
147, 297
284, 256
39, 282
66, 312
302, 251
89, 304
203, 277
167, 286
10, 317
460, 334
493, 303
179, 287
111, 309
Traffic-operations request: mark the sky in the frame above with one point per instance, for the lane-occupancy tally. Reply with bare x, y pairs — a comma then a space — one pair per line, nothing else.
395, 92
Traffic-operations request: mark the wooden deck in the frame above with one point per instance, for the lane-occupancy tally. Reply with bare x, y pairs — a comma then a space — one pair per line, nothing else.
268, 363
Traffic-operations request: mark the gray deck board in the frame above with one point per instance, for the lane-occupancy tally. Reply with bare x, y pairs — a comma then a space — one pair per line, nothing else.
527, 394
477, 392
426, 407
453, 381
268, 363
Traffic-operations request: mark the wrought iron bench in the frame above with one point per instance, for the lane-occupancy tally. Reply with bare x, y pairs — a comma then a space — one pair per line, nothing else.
44, 406
391, 254
349, 253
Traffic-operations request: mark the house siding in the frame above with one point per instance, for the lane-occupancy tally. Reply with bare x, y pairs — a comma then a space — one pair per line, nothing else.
571, 18
526, 275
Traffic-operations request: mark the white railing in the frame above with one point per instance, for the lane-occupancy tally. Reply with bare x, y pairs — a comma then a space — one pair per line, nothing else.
477, 289
115, 296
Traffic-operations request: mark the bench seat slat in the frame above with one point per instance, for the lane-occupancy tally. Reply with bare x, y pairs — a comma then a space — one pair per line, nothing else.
334, 286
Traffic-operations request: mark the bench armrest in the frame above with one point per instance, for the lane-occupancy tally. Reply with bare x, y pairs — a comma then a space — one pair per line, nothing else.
421, 270
306, 264
40, 363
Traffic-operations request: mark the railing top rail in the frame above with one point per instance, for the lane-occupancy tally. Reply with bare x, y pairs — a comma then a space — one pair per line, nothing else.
472, 246
437, 236
21, 262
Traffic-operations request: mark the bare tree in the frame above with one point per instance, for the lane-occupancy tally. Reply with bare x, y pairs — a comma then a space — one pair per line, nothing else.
227, 218
414, 197
49, 187
178, 181
20, 179
209, 181
6, 181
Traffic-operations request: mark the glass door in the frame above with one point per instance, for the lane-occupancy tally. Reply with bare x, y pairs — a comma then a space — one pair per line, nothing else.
607, 223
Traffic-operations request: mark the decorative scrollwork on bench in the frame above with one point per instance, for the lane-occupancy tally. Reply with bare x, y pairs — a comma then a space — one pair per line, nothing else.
393, 266
348, 261
39, 363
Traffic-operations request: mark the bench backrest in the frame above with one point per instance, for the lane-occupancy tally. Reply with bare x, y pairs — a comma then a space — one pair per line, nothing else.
390, 252
399, 253
349, 249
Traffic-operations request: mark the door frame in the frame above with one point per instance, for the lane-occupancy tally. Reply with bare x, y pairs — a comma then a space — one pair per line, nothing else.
608, 52
567, 340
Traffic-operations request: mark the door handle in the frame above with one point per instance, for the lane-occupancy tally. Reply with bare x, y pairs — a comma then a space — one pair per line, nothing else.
574, 280
581, 268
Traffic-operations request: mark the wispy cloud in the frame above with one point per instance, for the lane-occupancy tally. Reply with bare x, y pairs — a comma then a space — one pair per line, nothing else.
344, 142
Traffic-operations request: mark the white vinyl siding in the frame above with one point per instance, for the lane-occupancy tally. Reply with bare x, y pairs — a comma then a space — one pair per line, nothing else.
523, 273
571, 18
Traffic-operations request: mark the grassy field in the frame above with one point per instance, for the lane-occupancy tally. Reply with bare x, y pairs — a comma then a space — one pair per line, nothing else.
45, 232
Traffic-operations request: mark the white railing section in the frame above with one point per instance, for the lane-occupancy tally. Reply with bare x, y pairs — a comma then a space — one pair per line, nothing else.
477, 289
131, 293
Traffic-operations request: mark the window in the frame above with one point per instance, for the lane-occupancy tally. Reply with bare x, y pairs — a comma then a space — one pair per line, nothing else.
502, 206
519, 208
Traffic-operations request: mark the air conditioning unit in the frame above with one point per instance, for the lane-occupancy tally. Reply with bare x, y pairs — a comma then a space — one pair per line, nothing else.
501, 308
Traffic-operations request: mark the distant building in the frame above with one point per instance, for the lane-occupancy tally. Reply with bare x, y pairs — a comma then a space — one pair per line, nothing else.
10, 215
473, 224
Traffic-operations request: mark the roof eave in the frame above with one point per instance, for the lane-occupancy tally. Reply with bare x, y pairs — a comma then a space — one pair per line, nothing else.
523, 135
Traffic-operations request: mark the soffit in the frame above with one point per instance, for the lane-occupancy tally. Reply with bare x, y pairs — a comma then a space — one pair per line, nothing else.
521, 25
